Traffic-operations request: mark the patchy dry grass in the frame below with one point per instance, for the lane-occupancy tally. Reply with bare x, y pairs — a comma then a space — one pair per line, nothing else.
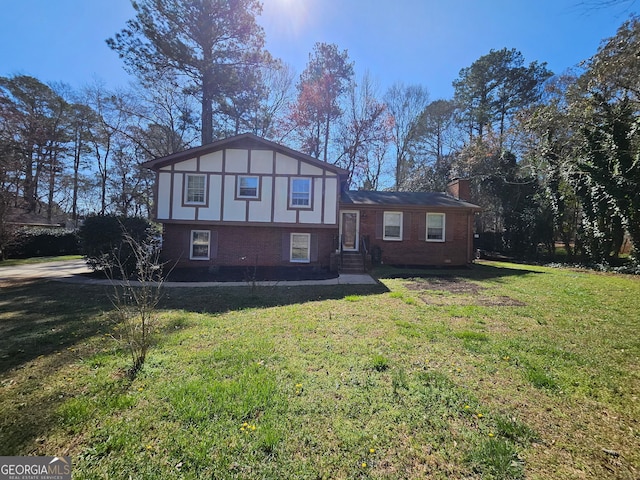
500, 371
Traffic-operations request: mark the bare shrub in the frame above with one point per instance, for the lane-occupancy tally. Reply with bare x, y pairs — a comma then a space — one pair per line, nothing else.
136, 296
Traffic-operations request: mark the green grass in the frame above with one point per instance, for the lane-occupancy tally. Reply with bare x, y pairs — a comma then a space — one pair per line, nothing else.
12, 262
506, 372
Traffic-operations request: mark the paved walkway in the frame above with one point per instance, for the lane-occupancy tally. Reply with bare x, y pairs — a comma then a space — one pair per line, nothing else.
71, 271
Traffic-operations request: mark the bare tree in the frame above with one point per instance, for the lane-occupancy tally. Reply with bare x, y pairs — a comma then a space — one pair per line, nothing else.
405, 104
322, 84
365, 134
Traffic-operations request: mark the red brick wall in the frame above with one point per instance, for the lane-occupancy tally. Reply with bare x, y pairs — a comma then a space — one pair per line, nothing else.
268, 246
460, 188
251, 246
414, 249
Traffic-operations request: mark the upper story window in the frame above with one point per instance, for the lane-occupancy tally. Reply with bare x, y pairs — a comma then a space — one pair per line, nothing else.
300, 193
195, 189
435, 227
248, 187
392, 226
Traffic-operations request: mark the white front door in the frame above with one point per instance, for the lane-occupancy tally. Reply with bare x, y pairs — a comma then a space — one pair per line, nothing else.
350, 230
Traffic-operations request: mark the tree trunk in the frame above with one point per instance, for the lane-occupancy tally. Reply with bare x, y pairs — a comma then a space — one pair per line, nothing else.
207, 118
33, 200
326, 138
52, 186
76, 173
29, 184
207, 98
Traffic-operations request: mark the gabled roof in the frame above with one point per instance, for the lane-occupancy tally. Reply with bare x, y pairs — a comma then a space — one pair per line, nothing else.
410, 199
245, 140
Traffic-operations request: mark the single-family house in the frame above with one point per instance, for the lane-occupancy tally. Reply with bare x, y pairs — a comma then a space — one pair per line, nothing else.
247, 201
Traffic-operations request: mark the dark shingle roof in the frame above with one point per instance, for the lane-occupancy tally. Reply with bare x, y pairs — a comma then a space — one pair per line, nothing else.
430, 199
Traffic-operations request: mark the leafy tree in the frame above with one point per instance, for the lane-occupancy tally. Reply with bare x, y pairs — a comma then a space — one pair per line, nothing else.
322, 84
550, 149
607, 102
493, 88
527, 219
436, 144
611, 165
37, 116
7, 231
57, 147
211, 43
489, 95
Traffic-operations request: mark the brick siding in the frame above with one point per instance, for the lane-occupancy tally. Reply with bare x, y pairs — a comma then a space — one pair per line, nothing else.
414, 249
250, 246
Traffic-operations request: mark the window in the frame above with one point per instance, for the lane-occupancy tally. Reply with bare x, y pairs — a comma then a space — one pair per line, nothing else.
435, 227
248, 187
200, 242
195, 189
300, 192
392, 226
300, 247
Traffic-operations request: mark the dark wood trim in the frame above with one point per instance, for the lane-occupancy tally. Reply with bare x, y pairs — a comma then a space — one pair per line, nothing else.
273, 185
244, 141
220, 223
324, 197
171, 195
222, 183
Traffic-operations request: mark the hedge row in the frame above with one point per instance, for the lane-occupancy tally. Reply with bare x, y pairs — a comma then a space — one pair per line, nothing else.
43, 242
99, 239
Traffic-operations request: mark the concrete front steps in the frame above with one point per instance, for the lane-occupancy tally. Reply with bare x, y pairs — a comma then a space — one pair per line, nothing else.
352, 262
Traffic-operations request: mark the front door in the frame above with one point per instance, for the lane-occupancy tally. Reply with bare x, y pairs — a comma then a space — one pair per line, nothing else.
349, 230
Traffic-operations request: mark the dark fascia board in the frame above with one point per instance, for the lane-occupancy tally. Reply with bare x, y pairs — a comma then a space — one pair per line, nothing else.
245, 140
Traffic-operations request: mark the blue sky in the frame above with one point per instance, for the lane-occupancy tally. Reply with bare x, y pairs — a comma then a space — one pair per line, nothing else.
411, 41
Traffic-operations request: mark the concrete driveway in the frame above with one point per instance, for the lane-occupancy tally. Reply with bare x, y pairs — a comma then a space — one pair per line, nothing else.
53, 270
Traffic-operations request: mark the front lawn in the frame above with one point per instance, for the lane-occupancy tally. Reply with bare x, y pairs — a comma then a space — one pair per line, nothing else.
500, 371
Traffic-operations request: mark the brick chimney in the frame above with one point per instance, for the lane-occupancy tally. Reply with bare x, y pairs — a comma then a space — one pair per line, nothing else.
459, 189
